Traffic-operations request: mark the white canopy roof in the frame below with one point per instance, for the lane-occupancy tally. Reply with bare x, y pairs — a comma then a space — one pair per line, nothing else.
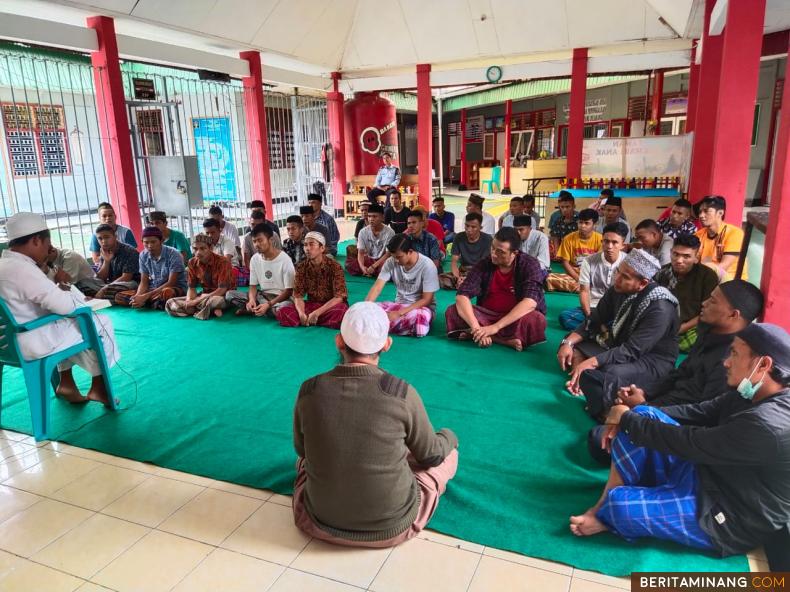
367, 39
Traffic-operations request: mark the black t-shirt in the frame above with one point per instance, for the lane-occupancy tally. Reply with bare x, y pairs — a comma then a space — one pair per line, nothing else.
397, 220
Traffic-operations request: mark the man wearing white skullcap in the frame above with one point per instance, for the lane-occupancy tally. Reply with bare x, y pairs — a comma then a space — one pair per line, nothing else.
322, 280
29, 295
630, 336
371, 468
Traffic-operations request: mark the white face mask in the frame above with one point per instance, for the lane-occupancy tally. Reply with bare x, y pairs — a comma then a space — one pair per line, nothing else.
746, 388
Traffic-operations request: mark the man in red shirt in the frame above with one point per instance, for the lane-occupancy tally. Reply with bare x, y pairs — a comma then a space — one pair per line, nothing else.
510, 307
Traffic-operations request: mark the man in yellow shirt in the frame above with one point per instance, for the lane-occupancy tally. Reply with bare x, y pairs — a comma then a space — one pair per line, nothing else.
720, 242
574, 249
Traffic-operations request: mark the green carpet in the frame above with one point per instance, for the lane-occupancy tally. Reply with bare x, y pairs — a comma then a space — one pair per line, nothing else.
215, 398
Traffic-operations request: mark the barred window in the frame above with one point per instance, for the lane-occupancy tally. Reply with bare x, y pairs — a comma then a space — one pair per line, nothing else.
36, 137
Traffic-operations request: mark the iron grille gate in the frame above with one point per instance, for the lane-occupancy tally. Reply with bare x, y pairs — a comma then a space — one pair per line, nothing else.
51, 158
51, 152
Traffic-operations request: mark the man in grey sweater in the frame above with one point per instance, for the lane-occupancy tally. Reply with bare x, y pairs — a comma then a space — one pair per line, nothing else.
371, 468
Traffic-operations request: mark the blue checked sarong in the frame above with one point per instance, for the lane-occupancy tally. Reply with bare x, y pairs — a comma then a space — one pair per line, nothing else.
658, 498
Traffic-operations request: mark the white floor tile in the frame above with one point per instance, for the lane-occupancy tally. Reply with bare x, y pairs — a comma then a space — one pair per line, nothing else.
350, 565
52, 473
91, 546
269, 534
153, 501
419, 565
559, 568
156, 563
13, 501
502, 576
100, 487
226, 571
599, 578
211, 516
34, 528
21, 575
297, 581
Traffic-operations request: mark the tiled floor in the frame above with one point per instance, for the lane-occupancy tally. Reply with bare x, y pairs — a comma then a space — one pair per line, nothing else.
76, 519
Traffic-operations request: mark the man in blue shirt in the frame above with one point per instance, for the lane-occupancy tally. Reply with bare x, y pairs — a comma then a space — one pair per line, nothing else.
162, 274
445, 218
423, 242
321, 217
122, 233
387, 178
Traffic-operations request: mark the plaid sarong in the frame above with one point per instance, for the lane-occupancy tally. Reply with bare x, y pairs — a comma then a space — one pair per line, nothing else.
416, 322
658, 498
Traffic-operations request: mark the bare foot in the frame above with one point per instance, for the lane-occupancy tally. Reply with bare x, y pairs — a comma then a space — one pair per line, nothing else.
587, 524
67, 389
98, 392
464, 336
514, 343
217, 312
70, 395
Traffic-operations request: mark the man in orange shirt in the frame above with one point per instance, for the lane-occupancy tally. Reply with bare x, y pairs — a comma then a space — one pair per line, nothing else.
574, 249
721, 242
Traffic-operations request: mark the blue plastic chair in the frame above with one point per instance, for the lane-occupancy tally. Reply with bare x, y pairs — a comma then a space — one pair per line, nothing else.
496, 179
38, 373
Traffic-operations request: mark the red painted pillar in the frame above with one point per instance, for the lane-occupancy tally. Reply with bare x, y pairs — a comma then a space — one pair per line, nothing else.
658, 94
775, 282
508, 117
463, 148
114, 125
705, 113
424, 134
257, 133
740, 71
334, 114
576, 116
691, 104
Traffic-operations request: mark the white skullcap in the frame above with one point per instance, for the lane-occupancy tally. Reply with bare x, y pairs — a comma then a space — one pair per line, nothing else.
365, 328
24, 224
316, 236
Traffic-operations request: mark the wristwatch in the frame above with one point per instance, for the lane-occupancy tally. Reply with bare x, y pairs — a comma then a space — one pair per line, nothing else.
567, 342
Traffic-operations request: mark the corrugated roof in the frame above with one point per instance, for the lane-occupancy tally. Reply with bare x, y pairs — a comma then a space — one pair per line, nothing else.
527, 90
404, 101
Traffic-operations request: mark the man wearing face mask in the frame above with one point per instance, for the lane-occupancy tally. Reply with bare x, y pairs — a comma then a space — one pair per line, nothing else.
711, 475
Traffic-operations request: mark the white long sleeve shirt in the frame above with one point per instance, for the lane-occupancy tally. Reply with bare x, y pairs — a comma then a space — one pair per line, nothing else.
29, 295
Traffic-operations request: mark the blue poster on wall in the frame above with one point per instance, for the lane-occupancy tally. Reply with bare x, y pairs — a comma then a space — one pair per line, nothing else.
214, 152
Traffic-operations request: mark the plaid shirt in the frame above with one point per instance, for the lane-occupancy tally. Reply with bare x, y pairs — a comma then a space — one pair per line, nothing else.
320, 283
527, 280
217, 273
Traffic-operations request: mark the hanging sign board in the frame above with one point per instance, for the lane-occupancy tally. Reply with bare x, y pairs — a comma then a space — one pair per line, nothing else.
214, 150
474, 128
144, 89
677, 105
594, 110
